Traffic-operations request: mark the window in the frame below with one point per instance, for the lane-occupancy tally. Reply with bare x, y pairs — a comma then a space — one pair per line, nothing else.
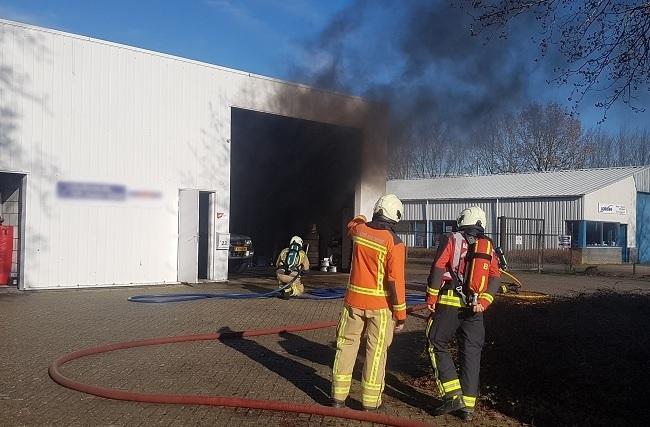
602, 233
610, 233
593, 233
438, 228
412, 232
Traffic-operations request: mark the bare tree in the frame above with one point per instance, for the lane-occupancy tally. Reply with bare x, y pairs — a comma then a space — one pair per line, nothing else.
539, 138
418, 149
549, 138
606, 43
601, 149
629, 147
632, 145
497, 146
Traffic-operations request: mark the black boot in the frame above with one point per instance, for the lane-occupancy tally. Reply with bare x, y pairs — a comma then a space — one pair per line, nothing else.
450, 404
466, 414
338, 404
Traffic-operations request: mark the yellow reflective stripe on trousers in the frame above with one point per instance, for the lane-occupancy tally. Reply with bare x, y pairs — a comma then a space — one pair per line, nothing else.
370, 386
376, 357
341, 390
370, 244
469, 401
340, 339
343, 377
399, 307
432, 357
433, 292
367, 291
371, 401
451, 385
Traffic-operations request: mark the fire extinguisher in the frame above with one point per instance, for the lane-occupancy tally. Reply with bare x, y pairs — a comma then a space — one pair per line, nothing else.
6, 251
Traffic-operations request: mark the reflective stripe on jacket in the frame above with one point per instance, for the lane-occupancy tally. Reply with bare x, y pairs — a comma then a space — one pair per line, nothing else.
377, 278
452, 260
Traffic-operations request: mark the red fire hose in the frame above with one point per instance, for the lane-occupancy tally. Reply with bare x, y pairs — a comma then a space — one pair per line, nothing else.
188, 399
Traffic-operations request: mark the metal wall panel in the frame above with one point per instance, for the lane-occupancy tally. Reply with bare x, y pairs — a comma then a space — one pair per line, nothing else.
449, 209
643, 230
554, 211
407, 238
414, 210
76, 109
642, 180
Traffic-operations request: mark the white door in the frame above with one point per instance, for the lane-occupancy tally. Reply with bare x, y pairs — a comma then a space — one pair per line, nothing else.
188, 236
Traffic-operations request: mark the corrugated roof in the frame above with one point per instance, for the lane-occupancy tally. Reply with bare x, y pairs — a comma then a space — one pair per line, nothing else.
535, 184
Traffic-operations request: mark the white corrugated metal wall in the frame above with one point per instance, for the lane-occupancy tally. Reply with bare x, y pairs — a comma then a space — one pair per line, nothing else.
84, 110
642, 180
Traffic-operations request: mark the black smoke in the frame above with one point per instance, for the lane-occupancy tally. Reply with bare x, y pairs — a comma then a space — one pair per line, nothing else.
425, 60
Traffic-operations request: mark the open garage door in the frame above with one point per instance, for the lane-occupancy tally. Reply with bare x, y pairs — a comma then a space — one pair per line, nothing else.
288, 175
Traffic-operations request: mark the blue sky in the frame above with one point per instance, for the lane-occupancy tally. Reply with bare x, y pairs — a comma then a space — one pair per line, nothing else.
273, 38
259, 36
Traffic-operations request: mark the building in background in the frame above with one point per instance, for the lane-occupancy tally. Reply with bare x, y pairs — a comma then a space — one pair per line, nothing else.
121, 166
603, 214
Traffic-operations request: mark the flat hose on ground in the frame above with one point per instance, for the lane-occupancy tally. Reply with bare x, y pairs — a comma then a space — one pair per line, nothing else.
186, 399
518, 293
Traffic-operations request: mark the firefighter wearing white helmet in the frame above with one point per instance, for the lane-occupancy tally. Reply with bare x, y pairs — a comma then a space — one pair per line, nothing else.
389, 207
375, 303
291, 262
462, 283
472, 216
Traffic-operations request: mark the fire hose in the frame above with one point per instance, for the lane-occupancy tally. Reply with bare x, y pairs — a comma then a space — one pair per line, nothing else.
187, 399
319, 294
226, 401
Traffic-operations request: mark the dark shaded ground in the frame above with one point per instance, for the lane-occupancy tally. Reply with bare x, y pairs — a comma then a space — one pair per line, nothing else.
579, 360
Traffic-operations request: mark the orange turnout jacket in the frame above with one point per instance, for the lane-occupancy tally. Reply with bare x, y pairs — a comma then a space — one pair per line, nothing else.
377, 278
480, 270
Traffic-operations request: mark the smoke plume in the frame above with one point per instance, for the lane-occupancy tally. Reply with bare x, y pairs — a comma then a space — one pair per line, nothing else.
422, 59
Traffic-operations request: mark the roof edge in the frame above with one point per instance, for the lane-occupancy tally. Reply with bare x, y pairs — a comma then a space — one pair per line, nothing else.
183, 59
633, 170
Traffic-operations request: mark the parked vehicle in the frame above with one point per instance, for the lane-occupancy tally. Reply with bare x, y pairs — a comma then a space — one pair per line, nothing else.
240, 254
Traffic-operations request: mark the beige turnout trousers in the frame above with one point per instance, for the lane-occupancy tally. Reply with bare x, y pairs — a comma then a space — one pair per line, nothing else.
296, 288
379, 326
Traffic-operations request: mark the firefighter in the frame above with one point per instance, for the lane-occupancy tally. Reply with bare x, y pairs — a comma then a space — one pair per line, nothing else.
462, 283
290, 264
374, 302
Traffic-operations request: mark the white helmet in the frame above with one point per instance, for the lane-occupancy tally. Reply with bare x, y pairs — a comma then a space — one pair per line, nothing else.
390, 207
472, 216
295, 239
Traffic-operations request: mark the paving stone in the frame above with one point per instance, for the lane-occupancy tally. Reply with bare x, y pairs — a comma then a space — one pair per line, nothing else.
39, 326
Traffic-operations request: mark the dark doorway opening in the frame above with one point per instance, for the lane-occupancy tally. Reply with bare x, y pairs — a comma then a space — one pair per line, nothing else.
287, 175
204, 235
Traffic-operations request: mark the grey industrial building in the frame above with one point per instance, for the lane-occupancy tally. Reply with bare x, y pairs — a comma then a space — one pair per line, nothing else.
602, 214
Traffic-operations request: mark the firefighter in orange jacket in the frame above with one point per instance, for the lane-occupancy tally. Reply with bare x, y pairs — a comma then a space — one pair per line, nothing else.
375, 301
462, 283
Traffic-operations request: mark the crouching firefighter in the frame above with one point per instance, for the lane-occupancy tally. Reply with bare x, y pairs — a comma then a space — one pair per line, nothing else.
291, 263
374, 303
462, 283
